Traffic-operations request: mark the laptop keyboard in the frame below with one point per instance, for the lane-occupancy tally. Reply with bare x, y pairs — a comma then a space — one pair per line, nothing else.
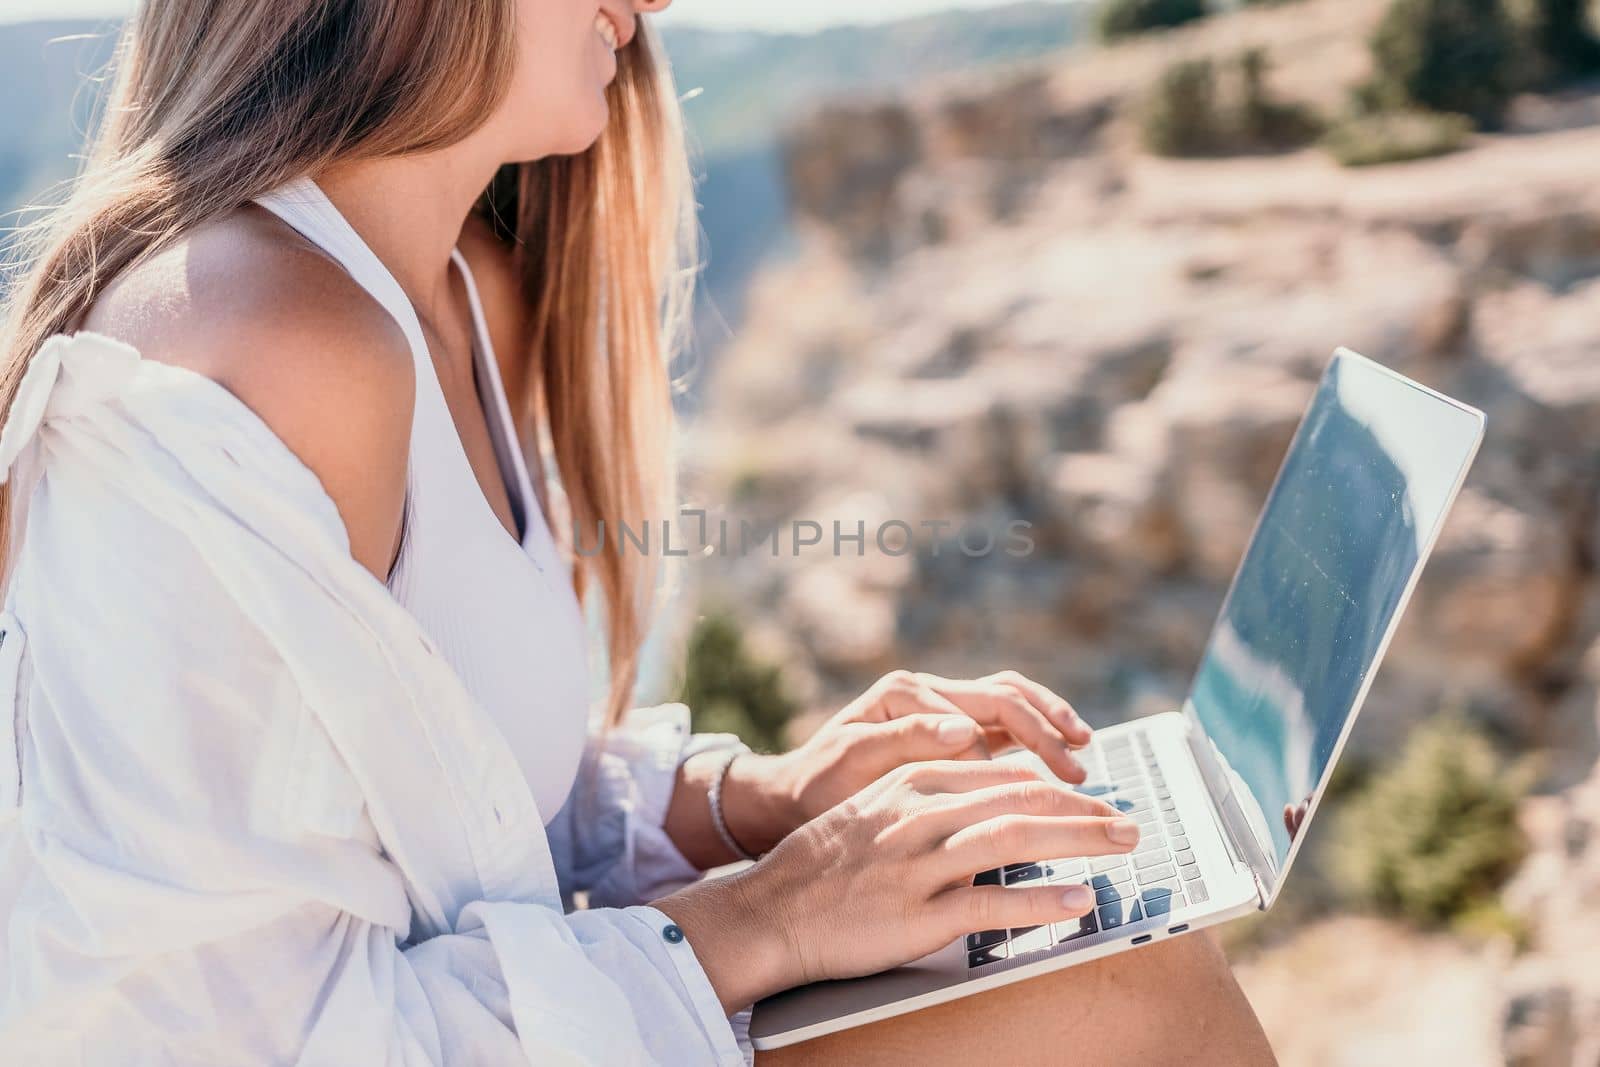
1159, 876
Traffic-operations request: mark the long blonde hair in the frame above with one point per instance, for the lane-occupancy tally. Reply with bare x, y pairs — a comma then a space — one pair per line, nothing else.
216, 102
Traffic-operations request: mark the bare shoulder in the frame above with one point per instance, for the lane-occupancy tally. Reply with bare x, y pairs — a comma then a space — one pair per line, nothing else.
253, 306
505, 305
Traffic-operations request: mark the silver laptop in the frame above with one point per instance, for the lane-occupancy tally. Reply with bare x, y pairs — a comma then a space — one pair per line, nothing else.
1225, 789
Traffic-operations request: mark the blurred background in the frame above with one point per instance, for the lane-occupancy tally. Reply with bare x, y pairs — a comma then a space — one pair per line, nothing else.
1080, 265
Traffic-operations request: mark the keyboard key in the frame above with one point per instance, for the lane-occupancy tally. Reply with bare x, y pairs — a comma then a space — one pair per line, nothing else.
1156, 874
1019, 866
1066, 931
1113, 916
1031, 873
1153, 843
1066, 868
1189, 873
1170, 816
1184, 856
1165, 885
987, 878
1158, 905
1107, 863
984, 956
1150, 859
984, 939
1178, 841
1031, 940
1107, 895
1120, 876
1169, 804
1197, 893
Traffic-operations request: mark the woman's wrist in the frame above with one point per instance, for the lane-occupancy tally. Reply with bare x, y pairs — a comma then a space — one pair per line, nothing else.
756, 802
759, 806
738, 936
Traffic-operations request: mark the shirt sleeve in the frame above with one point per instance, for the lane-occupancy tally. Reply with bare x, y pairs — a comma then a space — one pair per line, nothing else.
192, 874
609, 841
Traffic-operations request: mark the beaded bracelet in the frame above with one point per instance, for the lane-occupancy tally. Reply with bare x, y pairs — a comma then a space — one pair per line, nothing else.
714, 795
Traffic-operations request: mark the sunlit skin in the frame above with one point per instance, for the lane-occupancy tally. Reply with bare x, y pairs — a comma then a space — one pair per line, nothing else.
894, 796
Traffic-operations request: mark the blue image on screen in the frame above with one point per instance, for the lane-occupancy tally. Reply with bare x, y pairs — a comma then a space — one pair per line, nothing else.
1366, 483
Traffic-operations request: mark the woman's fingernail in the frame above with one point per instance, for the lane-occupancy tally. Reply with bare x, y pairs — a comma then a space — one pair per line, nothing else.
955, 730
1123, 831
1077, 898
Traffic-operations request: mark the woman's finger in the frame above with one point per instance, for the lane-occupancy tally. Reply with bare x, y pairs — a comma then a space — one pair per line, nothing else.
1031, 797
940, 777
1001, 705
999, 739
1057, 710
1015, 838
969, 909
904, 693
879, 747
946, 816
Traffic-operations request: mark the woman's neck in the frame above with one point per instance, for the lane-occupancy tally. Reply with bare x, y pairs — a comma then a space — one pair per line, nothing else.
410, 210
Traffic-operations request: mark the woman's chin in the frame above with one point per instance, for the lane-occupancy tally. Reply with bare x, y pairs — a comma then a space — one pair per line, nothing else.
579, 136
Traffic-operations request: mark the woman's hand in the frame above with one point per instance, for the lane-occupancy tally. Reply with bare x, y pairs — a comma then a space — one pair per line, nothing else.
904, 718
886, 877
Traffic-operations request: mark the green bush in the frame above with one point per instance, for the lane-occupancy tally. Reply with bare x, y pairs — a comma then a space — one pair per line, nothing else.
1445, 55
1432, 838
728, 690
1396, 137
1558, 39
1182, 117
1125, 18
1199, 109
1265, 122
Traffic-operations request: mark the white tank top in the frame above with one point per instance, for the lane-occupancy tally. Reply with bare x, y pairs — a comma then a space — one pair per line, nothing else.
501, 609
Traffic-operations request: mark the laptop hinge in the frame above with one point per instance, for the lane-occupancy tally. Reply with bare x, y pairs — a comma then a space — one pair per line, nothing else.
1240, 840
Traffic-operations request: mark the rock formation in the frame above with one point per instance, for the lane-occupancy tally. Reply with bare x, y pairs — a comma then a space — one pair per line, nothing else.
1002, 311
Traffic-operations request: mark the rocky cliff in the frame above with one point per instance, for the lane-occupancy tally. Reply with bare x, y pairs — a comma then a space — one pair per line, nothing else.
1002, 310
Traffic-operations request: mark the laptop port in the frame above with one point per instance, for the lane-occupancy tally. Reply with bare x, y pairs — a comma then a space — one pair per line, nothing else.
1180, 928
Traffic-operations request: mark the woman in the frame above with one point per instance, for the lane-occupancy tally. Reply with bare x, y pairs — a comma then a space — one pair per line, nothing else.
291, 661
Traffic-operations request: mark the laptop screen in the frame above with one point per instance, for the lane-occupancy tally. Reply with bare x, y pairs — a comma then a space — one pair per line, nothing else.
1356, 506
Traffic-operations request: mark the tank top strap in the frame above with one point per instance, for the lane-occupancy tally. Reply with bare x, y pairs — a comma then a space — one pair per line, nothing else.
501, 424
303, 205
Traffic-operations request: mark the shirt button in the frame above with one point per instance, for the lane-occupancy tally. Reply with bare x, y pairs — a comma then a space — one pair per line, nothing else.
672, 933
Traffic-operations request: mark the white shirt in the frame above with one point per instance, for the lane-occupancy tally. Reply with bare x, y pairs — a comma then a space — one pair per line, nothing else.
501, 609
252, 815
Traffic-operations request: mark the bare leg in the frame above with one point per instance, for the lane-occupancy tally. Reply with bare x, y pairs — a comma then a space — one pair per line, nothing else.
1172, 1002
